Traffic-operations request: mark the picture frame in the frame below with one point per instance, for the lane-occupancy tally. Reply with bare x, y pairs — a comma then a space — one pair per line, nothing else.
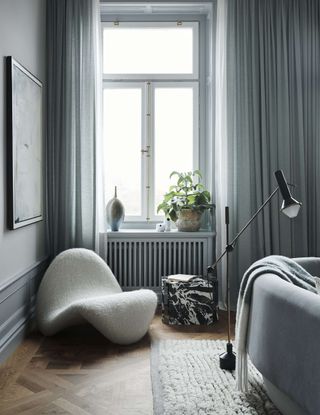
25, 170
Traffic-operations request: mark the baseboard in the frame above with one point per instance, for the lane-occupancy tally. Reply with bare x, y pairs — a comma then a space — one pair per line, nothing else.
17, 306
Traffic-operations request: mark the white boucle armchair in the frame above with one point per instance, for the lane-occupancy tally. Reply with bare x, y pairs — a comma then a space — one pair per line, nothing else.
79, 286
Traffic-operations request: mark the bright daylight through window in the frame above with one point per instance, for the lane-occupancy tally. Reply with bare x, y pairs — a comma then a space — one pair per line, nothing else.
150, 109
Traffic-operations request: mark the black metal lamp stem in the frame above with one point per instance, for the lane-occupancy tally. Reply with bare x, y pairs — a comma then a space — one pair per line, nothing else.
228, 359
227, 271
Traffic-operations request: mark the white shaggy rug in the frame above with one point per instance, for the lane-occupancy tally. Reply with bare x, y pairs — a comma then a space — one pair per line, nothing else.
187, 380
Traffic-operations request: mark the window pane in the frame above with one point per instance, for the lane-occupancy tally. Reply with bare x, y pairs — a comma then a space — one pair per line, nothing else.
173, 135
122, 132
153, 50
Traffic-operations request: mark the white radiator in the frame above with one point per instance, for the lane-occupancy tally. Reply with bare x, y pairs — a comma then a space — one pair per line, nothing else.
140, 260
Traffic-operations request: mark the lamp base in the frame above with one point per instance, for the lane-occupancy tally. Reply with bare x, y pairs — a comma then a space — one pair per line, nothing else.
228, 359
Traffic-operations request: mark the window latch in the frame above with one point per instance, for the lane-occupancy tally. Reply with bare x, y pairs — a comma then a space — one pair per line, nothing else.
147, 151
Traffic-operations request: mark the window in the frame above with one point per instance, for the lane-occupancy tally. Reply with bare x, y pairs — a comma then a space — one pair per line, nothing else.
151, 110
140, 49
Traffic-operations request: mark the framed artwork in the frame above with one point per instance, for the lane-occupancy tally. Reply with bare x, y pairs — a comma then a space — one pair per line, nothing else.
25, 146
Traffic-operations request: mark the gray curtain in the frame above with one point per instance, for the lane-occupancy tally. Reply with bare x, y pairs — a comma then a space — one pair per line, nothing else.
273, 122
71, 123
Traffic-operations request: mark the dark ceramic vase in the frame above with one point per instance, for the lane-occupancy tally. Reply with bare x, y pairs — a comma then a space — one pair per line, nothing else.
115, 212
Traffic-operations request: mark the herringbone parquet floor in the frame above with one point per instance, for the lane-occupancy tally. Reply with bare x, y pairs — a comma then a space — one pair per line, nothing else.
79, 372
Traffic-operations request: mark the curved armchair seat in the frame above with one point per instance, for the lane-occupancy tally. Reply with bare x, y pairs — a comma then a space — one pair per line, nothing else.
79, 286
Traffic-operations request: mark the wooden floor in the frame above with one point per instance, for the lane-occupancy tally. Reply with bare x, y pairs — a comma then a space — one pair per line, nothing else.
80, 372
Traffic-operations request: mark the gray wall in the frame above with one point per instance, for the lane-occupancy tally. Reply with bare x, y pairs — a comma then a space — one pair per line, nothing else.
22, 35
22, 252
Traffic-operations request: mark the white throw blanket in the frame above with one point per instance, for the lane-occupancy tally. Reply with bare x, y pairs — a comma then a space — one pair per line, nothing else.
284, 268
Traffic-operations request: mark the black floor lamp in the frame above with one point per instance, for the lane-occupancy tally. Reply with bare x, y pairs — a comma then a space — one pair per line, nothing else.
290, 207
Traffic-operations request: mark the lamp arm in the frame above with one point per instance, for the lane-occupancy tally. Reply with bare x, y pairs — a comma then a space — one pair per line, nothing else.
231, 245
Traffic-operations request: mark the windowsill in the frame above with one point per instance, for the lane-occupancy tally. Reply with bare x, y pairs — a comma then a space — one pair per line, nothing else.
123, 233
150, 226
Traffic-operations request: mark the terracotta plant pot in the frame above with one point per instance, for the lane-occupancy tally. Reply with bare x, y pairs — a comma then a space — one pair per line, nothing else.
189, 220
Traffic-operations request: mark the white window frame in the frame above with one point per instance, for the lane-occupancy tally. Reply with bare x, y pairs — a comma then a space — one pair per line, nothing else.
168, 24
148, 139
143, 184
203, 13
181, 84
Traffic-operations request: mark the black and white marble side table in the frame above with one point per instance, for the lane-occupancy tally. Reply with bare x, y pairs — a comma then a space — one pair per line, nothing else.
192, 302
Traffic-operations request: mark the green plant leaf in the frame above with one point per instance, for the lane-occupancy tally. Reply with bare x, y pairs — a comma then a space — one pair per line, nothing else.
180, 181
197, 173
169, 196
174, 173
207, 195
173, 215
162, 206
191, 199
200, 199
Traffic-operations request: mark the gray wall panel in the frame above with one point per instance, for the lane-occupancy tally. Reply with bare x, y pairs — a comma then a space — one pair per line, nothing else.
17, 306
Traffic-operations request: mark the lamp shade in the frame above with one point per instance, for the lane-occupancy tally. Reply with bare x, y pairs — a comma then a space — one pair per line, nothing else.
290, 206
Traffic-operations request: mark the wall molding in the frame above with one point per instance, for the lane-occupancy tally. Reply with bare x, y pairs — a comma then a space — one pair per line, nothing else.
22, 274
17, 306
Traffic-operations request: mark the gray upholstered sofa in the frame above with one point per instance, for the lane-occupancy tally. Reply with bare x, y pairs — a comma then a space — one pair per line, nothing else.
284, 341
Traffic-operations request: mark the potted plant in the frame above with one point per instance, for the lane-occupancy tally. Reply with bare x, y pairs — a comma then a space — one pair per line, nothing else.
186, 201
